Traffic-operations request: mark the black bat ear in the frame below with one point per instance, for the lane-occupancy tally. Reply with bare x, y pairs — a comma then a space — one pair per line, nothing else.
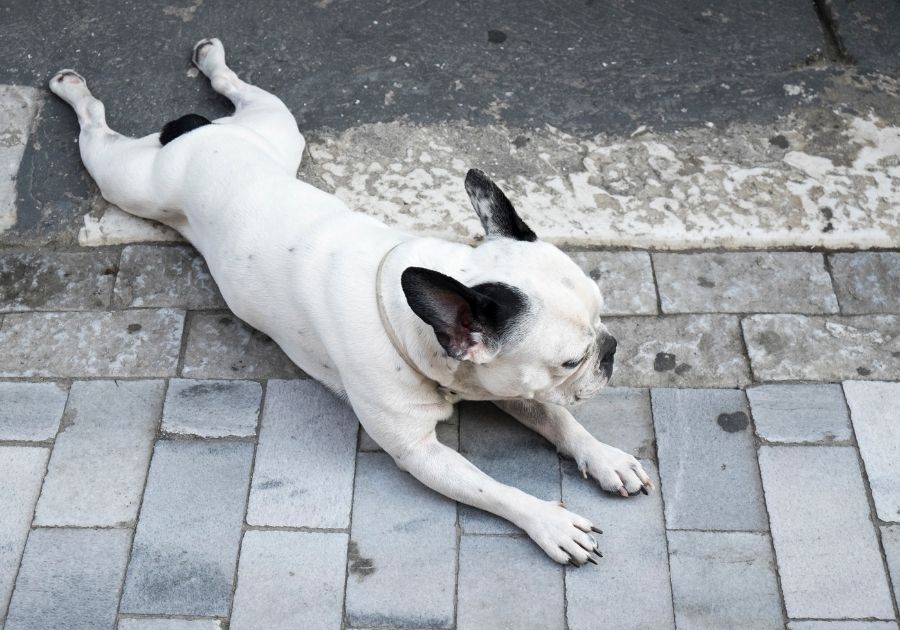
498, 217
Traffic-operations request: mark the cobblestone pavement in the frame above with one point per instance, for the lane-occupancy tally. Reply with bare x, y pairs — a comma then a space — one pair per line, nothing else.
166, 467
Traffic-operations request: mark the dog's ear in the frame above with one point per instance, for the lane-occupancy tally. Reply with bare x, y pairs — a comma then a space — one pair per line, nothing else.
467, 321
498, 217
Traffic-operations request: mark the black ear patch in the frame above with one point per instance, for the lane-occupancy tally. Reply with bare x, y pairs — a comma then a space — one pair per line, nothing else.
498, 217
181, 126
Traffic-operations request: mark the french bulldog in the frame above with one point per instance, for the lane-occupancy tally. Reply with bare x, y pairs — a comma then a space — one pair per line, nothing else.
400, 326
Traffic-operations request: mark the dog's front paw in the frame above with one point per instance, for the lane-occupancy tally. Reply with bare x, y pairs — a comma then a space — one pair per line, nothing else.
616, 470
562, 534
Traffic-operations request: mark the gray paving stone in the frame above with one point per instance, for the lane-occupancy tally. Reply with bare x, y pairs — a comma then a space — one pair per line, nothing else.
18, 107
890, 538
93, 343
56, 281
212, 408
169, 624
865, 29
31, 411
290, 580
99, 461
70, 578
707, 460
679, 351
403, 534
620, 416
305, 459
828, 555
22, 470
724, 580
867, 282
842, 625
800, 413
635, 564
744, 282
222, 346
816, 348
186, 543
447, 433
511, 454
875, 409
165, 276
489, 598
625, 280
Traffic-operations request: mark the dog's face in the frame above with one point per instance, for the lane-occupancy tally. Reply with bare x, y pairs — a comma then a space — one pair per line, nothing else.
532, 328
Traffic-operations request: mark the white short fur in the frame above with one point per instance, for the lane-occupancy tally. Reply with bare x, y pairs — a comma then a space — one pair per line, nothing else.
296, 263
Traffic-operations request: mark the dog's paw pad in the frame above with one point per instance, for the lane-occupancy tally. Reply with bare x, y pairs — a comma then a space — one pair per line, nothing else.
204, 48
68, 77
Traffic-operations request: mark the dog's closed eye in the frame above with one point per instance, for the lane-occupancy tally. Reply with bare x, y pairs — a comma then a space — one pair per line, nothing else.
574, 363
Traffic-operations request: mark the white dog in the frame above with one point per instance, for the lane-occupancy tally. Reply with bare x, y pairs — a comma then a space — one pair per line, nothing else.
402, 326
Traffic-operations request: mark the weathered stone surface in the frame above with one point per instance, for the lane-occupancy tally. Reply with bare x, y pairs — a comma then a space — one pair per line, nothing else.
800, 413
31, 411
403, 534
222, 346
679, 351
620, 417
707, 460
121, 343
212, 408
842, 625
488, 598
511, 454
165, 276
625, 280
99, 462
303, 475
70, 578
828, 555
289, 580
21, 469
56, 281
186, 543
865, 28
867, 282
816, 348
890, 538
875, 410
147, 623
18, 106
635, 564
724, 580
742, 282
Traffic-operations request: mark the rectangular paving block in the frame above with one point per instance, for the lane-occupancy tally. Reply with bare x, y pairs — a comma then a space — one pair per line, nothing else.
875, 410
150, 623
31, 411
165, 276
70, 578
800, 413
724, 580
56, 281
186, 543
865, 33
511, 454
212, 408
635, 563
816, 348
18, 107
509, 582
22, 470
290, 580
744, 282
707, 460
625, 280
679, 351
828, 555
403, 535
842, 625
121, 343
220, 345
305, 460
99, 461
620, 417
890, 539
867, 282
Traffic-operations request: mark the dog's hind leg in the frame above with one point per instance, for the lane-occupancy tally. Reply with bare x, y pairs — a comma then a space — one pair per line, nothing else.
255, 108
121, 166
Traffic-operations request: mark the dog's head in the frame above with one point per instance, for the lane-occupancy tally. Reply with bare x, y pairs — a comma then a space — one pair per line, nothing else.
530, 327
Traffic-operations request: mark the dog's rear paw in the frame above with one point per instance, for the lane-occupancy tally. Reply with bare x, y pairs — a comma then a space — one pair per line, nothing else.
207, 52
563, 535
66, 83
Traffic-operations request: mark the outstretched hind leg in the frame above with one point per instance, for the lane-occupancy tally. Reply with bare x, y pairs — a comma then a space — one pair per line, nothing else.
255, 108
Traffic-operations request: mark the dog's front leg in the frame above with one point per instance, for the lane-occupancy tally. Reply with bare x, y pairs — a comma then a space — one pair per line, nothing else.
616, 470
561, 534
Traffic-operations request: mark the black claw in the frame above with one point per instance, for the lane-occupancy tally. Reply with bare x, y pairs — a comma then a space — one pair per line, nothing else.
573, 563
644, 490
597, 551
591, 559
594, 529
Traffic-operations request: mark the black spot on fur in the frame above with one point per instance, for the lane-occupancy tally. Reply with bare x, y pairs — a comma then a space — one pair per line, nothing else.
180, 126
497, 215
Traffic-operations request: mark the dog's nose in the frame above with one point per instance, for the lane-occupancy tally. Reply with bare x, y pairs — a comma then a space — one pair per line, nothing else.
607, 350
